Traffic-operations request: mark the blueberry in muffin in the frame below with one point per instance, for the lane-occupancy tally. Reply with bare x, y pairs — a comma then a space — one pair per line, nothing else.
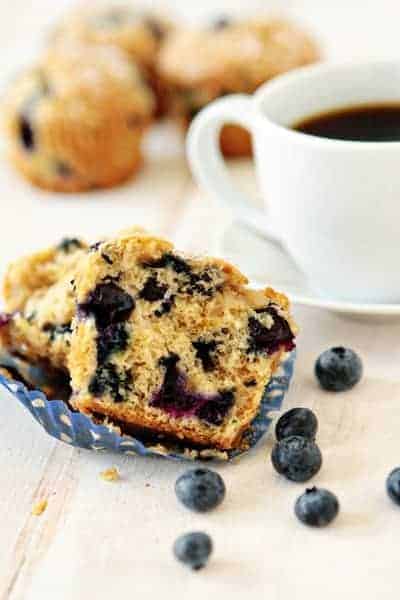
193, 549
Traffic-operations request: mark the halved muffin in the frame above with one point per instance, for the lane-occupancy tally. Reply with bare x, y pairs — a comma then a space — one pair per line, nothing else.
171, 344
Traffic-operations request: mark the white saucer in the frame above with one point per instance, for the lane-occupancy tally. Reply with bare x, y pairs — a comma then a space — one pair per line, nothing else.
265, 262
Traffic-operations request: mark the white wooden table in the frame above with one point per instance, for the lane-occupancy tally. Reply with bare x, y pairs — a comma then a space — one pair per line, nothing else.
98, 539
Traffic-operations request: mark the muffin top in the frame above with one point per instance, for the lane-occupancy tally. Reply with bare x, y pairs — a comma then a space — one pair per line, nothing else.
134, 31
74, 121
78, 83
235, 56
75, 68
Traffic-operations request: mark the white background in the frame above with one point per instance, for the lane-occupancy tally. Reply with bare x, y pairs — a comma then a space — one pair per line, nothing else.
98, 540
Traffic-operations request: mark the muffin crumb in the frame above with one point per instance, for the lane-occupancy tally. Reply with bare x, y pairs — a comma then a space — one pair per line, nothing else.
39, 508
111, 474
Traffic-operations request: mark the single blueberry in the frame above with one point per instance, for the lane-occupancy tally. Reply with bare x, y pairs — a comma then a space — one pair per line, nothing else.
317, 507
205, 353
108, 303
153, 290
278, 336
393, 485
297, 458
200, 489
193, 549
297, 421
26, 133
338, 369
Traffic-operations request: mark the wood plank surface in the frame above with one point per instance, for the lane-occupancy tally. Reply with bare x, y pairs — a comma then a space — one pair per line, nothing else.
101, 540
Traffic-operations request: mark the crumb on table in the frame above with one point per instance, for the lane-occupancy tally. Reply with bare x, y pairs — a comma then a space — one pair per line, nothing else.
39, 508
111, 474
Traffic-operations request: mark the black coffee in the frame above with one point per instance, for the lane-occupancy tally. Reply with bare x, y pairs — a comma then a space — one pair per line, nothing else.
364, 123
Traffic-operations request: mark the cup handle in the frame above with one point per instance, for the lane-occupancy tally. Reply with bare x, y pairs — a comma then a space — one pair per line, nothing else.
208, 165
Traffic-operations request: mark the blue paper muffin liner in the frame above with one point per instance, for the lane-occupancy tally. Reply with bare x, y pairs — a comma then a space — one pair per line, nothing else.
80, 431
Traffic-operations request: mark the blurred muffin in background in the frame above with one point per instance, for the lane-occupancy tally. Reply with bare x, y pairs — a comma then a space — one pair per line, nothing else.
136, 32
198, 66
76, 120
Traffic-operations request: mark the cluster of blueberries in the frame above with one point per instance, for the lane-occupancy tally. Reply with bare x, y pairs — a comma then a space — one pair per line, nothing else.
294, 455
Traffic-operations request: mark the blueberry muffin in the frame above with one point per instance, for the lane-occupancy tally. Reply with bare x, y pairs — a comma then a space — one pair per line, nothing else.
199, 66
40, 305
76, 121
173, 345
138, 33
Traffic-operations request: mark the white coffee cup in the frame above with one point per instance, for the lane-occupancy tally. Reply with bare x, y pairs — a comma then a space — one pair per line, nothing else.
334, 205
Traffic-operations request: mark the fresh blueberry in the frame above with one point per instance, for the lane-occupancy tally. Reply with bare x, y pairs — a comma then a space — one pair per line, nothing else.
153, 290
278, 336
200, 489
316, 507
26, 133
193, 549
109, 304
393, 485
297, 458
297, 421
338, 369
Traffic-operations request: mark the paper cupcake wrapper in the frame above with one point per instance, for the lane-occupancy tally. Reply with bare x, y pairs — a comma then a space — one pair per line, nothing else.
79, 430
